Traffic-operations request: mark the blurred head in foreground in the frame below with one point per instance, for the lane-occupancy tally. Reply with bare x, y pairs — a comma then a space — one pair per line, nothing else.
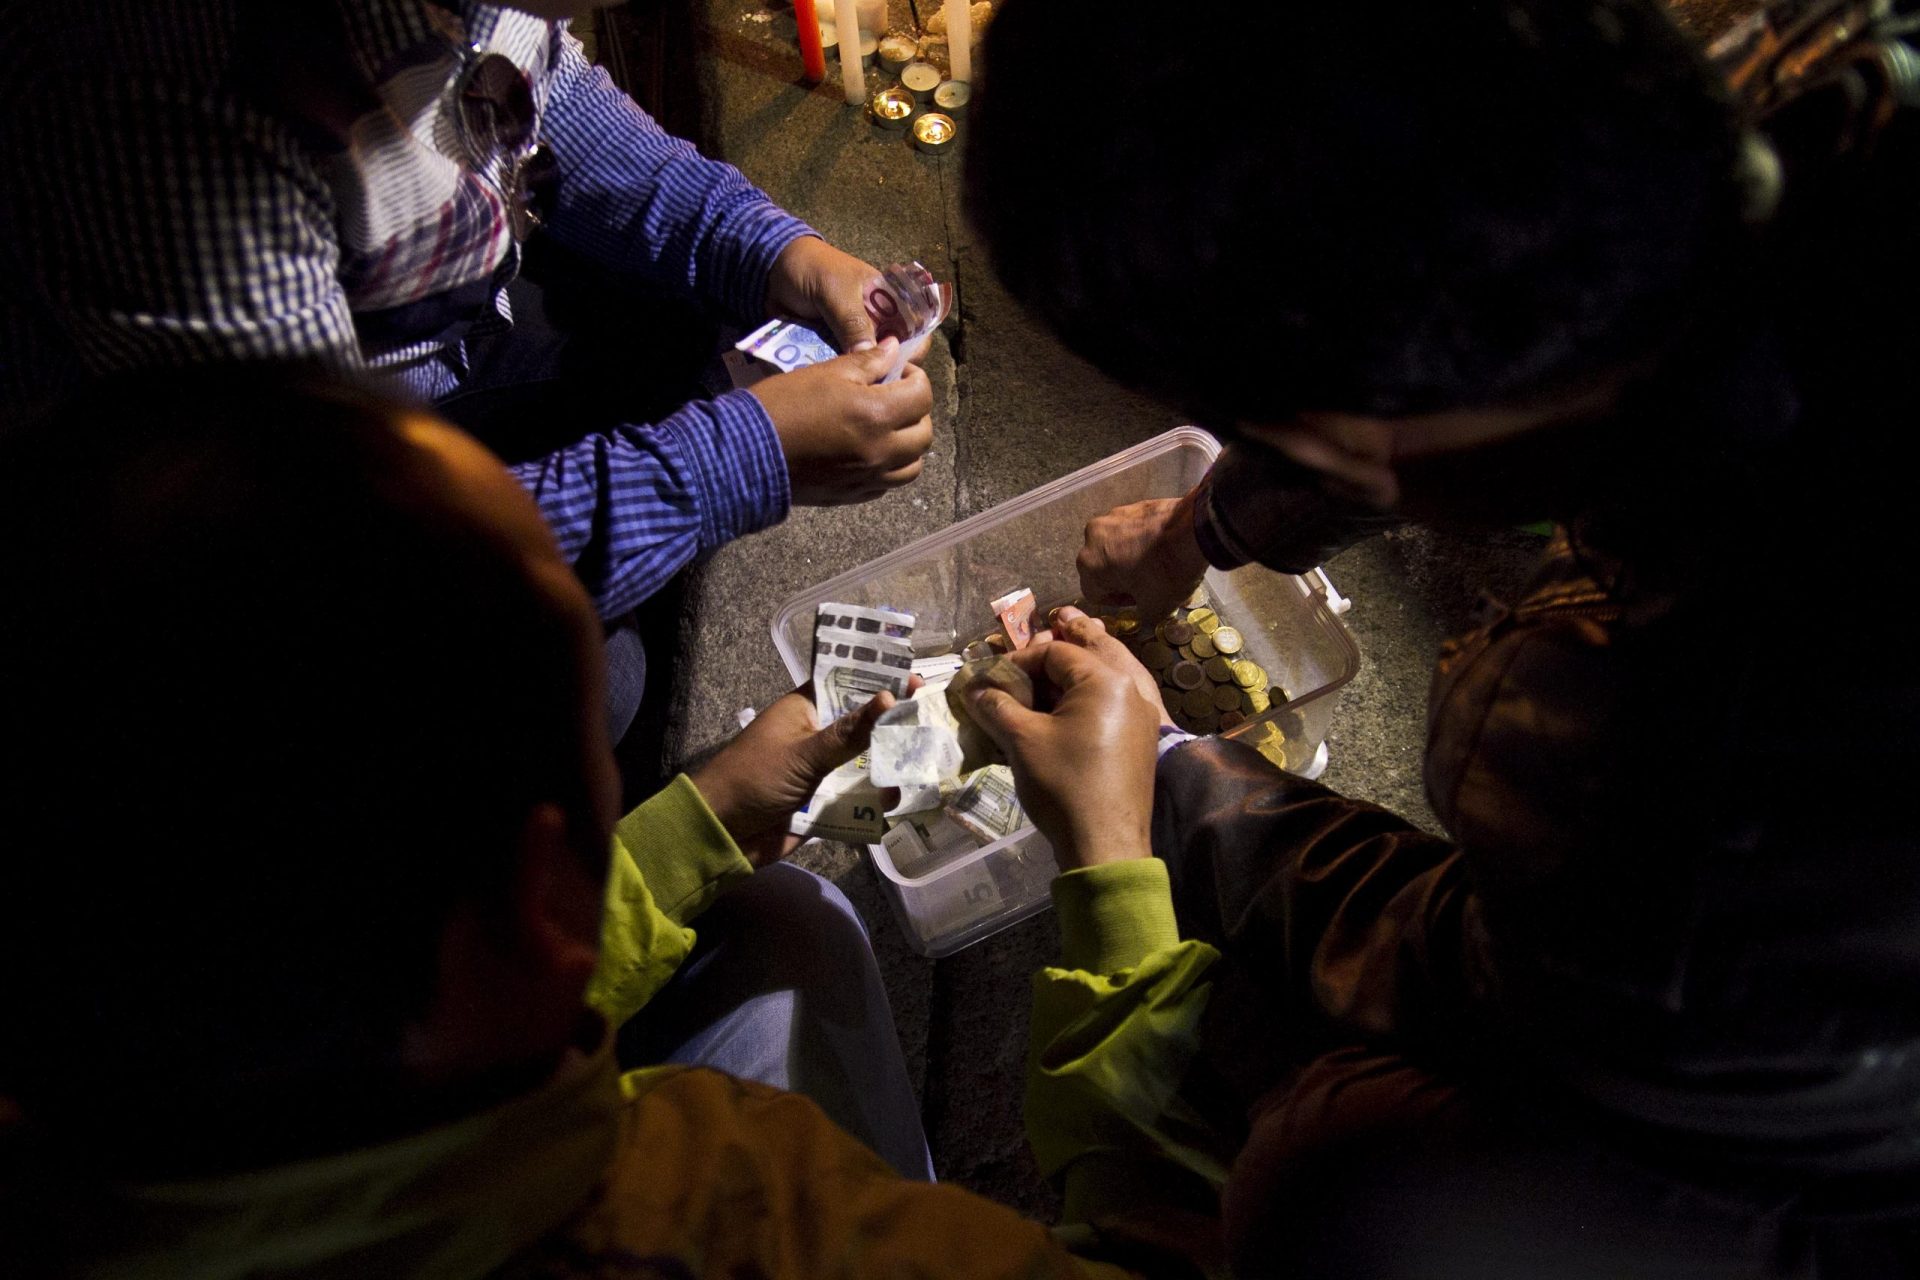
307, 802
1400, 232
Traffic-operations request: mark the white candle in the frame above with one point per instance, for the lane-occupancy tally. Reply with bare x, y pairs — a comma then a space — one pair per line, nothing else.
960, 38
846, 18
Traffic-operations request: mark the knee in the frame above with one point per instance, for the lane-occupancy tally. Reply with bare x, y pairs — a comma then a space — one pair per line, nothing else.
807, 914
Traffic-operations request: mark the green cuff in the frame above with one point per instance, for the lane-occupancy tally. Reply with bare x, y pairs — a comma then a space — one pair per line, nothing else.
1114, 915
683, 852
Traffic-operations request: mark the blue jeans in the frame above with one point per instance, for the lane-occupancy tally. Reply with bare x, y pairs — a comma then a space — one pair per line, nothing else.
782, 988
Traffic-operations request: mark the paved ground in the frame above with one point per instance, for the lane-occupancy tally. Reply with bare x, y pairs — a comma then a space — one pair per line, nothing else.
1012, 411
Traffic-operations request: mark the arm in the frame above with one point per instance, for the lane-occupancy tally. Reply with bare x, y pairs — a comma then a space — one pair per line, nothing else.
182, 227
637, 199
1116, 1024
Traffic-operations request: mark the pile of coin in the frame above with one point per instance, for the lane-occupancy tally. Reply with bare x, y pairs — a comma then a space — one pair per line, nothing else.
1207, 682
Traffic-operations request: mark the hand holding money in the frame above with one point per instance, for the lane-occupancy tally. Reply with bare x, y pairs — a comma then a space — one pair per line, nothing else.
756, 782
1143, 554
1084, 768
813, 281
847, 436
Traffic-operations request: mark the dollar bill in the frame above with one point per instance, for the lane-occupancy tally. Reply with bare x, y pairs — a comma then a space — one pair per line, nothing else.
987, 805
865, 619
920, 843
846, 806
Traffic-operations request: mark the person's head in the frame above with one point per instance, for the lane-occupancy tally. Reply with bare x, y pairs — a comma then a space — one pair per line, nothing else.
307, 791
1364, 232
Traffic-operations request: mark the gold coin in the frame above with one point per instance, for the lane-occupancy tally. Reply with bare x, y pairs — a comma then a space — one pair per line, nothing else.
1209, 626
1176, 633
1228, 641
1226, 698
1202, 646
1197, 703
1201, 616
1257, 701
1186, 675
1219, 670
1247, 675
1156, 655
1121, 627
1186, 651
1199, 597
1231, 720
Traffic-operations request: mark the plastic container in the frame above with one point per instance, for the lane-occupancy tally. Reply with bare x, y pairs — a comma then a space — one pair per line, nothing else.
1290, 624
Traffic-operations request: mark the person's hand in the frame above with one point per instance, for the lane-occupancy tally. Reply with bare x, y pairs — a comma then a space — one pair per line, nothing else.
1142, 554
757, 781
813, 281
1084, 764
847, 436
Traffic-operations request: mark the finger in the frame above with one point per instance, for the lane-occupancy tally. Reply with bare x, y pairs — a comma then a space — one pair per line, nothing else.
1000, 715
851, 324
903, 475
831, 747
918, 351
906, 400
908, 444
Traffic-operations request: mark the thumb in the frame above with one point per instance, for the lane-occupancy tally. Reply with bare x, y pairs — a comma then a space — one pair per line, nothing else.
825, 750
1001, 716
852, 325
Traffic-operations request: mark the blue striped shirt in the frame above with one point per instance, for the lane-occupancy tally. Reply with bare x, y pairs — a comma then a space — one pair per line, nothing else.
194, 182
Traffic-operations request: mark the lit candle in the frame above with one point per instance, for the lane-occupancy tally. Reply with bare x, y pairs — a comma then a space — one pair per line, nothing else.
846, 20
813, 58
960, 38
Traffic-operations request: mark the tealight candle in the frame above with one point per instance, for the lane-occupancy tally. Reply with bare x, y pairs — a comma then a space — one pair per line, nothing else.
952, 96
934, 132
892, 107
920, 77
897, 49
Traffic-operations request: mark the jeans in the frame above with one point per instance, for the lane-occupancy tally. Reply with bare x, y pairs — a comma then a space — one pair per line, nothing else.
782, 988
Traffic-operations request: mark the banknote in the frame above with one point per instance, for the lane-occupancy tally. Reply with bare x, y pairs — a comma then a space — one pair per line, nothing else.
868, 619
787, 345
850, 668
1015, 611
916, 743
846, 806
903, 301
987, 805
920, 843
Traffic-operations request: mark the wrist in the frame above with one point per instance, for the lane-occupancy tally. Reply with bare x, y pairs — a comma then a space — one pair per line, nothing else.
1097, 844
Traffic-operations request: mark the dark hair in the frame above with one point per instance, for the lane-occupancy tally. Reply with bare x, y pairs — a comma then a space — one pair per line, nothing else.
270, 705
1379, 208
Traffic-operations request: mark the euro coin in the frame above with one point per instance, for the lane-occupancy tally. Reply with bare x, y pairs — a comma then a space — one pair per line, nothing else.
1226, 698
1201, 617
1156, 655
1197, 703
1231, 720
1219, 670
1176, 633
1228, 641
1199, 597
1257, 701
1122, 627
1202, 645
1186, 675
1209, 624
1247, 675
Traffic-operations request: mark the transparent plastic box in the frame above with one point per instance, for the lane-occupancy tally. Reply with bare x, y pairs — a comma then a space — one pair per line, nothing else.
1291, 626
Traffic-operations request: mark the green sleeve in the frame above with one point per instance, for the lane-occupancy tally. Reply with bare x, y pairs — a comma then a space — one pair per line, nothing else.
1115, 1028
671, 857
